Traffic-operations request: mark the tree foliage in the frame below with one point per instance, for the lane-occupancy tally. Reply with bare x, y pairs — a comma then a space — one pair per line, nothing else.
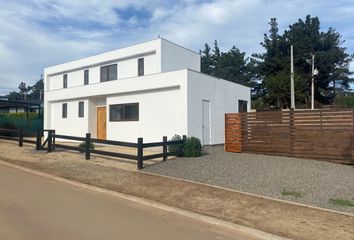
31, 92
233, 65
273, 66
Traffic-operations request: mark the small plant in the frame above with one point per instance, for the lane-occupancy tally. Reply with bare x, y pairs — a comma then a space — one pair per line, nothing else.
342, 202
178, 148
294, 194
192, 147
82, 146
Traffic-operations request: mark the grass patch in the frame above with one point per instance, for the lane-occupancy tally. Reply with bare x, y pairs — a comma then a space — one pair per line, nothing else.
342, 202
294, 194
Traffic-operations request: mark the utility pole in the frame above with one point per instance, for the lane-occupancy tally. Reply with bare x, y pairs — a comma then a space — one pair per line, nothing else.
292, 87
313, 83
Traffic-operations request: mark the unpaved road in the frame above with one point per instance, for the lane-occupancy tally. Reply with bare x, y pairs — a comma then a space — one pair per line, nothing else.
34, 207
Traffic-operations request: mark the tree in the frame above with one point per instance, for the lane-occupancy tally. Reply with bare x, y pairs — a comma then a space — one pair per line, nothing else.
27, 92
233, 65
24, 89
331, 60
207, 60
37, 89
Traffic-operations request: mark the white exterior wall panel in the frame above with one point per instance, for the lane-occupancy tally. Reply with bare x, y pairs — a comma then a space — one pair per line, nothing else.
175, 57
72, 125
161, 113
223, 96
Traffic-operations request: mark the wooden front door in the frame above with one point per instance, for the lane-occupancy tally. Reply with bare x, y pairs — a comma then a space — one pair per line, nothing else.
101, 123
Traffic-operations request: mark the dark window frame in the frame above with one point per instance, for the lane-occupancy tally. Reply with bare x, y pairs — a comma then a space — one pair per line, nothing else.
242, 106
107, 72
65, 81
141, 66
81, 109
124, 105
64, 110
86, 77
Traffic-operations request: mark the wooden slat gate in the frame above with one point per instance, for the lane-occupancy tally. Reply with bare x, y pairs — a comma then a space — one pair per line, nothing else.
320, 134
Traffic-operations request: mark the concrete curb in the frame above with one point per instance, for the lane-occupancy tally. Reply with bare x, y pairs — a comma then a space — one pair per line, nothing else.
254, 195
210, 220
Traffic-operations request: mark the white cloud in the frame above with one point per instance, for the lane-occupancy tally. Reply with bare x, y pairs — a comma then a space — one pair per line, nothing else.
40, 33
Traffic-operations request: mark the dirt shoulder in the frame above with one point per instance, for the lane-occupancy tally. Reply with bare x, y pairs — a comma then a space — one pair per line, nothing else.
271, 216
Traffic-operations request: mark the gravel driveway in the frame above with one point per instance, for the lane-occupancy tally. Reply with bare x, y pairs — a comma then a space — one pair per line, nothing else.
317, 182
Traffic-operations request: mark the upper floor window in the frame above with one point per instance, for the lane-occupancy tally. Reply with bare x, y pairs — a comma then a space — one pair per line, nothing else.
65, 80
109, 73
86, 77
81, 109
64, 112
124, 112
141, 67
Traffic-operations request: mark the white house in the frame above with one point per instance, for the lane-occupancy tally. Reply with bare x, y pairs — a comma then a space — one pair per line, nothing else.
148, 90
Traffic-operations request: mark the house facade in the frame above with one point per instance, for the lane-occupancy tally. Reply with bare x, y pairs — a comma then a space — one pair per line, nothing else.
148, 90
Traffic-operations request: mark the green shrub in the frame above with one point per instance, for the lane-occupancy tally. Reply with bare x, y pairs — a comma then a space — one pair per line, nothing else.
176, 147
19, 120
82, 146
192, 147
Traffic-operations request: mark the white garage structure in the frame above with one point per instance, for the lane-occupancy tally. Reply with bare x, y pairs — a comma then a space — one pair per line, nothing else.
148, 90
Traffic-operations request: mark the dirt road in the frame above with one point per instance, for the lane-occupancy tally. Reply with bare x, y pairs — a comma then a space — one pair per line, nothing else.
34, 207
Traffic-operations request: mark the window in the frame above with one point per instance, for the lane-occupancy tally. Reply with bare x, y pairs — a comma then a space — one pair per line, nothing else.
86, 77
64, 113
141, 67
81, 109
65, 80
242, 106
109, 73
124, 112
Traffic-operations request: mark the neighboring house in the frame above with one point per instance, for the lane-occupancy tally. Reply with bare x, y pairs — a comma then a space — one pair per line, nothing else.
148, 90
20, 106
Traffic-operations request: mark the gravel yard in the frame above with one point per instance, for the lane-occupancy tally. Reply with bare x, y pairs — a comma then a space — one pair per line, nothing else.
299, 180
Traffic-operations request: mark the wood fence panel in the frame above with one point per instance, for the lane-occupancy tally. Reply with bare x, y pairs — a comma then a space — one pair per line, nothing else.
232, 133
319, 134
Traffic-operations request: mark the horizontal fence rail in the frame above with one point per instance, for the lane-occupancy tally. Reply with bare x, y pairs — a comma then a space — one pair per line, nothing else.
17, 135
319, 134
49, 143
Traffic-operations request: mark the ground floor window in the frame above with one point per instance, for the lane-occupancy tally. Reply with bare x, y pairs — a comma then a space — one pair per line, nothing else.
124, 112
242, 106
64, 112
81, 109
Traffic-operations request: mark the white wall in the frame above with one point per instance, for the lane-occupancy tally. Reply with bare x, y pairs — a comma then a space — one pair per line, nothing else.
163, 107
126, 57
126, 69
223, 96
72, 125
175, 57
161, 113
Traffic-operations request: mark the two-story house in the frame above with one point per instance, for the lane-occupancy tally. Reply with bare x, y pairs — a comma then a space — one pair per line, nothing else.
148, 90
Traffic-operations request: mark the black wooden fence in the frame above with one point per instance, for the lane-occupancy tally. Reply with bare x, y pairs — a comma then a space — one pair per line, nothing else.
50, 145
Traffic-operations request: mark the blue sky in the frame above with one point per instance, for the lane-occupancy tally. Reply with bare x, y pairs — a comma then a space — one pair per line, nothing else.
35, 34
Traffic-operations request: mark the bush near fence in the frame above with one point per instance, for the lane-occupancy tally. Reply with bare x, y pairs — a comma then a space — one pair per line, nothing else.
20, 120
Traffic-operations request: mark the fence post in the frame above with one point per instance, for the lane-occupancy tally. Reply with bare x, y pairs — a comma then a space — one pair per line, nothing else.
20, 138
292, 131
164, 148
53, 140
88, 146
38, 140
50, 136
140, 153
